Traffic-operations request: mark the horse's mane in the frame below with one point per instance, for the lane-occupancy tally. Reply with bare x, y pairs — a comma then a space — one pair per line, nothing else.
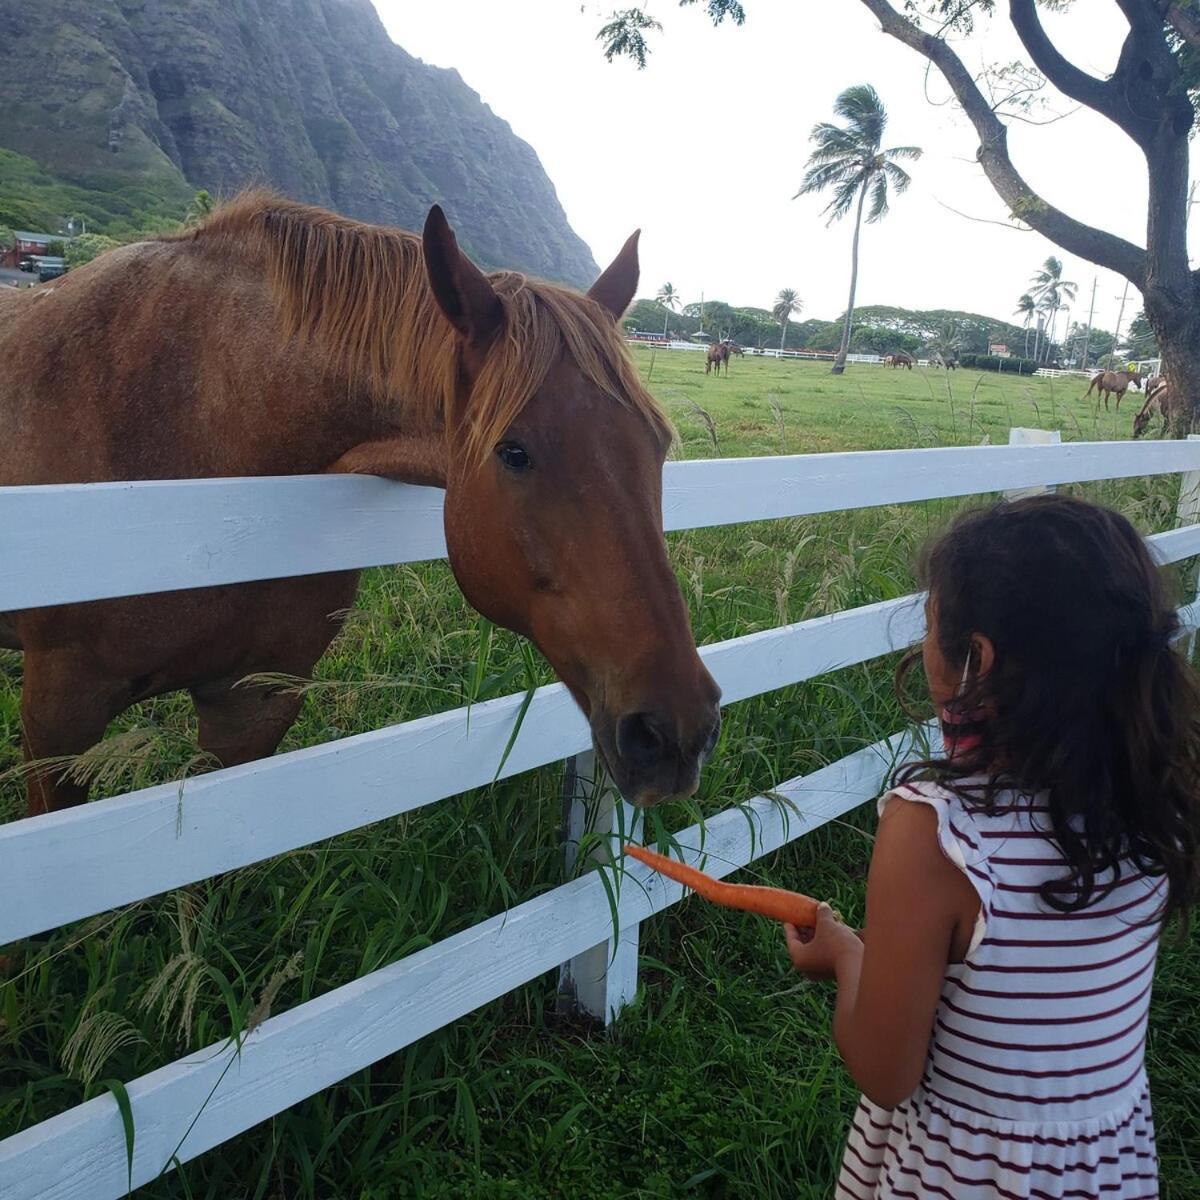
361, 292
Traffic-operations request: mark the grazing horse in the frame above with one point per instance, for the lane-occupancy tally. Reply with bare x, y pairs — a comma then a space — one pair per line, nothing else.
899, 360
1161, 396
281, 339
1116, 382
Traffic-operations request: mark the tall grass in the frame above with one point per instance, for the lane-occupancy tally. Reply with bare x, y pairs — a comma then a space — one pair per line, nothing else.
721, 1081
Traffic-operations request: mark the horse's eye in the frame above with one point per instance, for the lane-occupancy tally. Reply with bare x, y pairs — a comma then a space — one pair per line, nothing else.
513, 456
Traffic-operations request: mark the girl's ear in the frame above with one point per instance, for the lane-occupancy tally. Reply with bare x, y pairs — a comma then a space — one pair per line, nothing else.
982, 655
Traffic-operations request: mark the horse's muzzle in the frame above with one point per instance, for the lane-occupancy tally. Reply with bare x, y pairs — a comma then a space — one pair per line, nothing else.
652, 755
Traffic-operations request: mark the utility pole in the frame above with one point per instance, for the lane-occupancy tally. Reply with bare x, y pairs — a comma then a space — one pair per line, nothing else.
1087, 336
1117, 331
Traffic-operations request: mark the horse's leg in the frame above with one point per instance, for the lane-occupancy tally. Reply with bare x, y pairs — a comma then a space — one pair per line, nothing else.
241, 723
66, 704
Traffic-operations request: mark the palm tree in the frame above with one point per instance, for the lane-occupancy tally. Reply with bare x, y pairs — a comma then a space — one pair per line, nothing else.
848, 159
1051, 289
1027, 308
786, 304
668, 297
947, 343
200, 207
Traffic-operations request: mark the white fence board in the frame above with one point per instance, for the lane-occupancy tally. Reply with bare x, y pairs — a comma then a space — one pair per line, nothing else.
80, 1155
66, 865
78, 542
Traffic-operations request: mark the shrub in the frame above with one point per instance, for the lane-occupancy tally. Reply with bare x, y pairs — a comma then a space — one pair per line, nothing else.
989, 362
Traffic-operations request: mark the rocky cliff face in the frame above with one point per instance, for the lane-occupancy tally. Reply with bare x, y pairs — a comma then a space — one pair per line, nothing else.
310, 96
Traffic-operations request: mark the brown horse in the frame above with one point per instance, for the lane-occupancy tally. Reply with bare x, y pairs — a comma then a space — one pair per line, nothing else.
1116, 382
899, 360
1159, 395
282, 339
718, 355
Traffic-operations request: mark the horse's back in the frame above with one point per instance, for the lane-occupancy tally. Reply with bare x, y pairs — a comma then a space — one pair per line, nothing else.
157, 360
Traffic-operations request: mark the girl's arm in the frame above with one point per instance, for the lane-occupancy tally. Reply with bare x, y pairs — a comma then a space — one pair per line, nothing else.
921, 911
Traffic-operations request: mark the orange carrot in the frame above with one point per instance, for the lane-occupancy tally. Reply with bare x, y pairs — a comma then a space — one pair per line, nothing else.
776, 903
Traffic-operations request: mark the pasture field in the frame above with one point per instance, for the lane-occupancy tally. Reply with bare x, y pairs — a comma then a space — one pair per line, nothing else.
722, 1080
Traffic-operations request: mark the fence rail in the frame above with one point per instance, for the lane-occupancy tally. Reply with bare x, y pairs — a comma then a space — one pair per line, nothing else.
165, 535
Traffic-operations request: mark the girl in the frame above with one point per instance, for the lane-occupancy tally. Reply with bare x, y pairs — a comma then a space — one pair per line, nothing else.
994, 1012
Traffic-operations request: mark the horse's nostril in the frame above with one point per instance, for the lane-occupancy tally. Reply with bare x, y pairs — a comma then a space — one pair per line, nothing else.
640, 740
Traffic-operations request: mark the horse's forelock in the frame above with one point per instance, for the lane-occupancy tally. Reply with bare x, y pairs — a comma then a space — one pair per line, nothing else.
543, 323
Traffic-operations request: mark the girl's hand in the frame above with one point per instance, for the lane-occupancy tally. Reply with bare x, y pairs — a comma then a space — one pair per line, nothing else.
819, 952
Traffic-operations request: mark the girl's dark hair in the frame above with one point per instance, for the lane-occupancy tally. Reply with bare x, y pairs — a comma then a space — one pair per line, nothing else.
1086, 702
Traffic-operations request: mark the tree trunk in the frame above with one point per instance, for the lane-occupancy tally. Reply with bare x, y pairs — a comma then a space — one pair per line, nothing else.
782, 333
1178, 330
839, 363
665, 320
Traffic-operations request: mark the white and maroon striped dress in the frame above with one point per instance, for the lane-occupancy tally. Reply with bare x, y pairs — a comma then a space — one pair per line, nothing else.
1035, 1085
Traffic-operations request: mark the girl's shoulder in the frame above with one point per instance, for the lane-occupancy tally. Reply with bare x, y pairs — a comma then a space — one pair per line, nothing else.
976, 806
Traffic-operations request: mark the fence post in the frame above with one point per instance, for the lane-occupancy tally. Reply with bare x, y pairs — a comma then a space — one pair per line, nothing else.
603, 979
1032, 437
1188, 513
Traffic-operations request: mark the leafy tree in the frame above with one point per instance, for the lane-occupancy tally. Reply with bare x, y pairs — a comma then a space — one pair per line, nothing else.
56, 248
715, 316
786, 304
1142, 342
86, 247
668, 297
1150, 95
849, 160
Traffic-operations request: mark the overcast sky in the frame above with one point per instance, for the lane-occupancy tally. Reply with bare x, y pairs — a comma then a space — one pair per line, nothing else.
704, 149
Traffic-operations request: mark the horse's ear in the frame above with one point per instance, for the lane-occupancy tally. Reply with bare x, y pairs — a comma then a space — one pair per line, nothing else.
461, 289
616, 287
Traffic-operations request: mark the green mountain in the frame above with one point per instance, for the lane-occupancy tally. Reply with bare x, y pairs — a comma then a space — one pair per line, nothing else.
121, 109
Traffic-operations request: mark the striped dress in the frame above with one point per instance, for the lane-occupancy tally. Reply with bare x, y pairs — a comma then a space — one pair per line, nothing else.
1035, 1085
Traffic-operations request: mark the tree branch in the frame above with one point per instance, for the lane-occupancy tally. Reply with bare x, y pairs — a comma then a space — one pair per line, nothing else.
1066, 76
1095, 245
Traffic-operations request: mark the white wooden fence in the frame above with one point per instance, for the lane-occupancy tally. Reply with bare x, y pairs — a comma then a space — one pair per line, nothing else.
86, 542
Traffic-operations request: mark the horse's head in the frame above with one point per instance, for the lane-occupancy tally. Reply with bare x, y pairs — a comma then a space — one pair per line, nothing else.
1141, 419
554, 457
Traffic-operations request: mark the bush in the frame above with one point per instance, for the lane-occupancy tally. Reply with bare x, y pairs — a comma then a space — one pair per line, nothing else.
989, 362
85, 247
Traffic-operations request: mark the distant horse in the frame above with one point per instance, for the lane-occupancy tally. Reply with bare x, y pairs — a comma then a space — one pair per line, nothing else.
899, 359
719, 354
1161, 397
279, 339
1115, 382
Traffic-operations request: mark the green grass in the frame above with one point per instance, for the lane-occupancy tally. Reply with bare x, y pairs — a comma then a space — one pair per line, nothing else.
721, 1081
